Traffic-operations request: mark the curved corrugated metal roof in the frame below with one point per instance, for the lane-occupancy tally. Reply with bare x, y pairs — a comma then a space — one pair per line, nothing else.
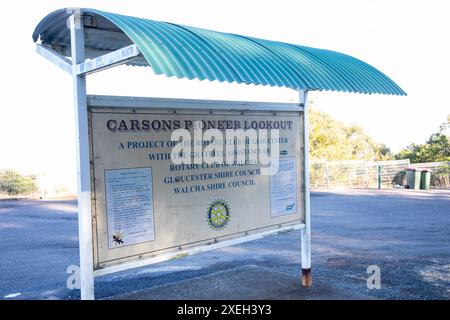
188, 52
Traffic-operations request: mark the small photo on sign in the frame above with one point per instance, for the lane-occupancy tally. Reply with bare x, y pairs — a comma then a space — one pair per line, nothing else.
129, 206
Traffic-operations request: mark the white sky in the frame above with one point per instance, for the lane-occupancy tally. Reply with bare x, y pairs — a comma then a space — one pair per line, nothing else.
407, 40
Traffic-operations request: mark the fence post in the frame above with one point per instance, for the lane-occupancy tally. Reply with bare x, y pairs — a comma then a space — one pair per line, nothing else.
379, 176
327, 176
41, 184
367, 174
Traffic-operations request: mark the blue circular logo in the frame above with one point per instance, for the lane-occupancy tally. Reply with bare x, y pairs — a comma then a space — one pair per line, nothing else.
218, 214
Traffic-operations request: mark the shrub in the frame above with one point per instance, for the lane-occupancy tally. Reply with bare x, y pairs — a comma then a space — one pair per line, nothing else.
400, 178
13, 183
441, 177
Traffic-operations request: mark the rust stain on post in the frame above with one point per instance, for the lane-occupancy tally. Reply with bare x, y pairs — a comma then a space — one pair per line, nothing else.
306, 278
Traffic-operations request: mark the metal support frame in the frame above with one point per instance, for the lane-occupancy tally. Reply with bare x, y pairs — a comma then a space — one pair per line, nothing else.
99, 101
103, 62
54, 57
108, 60
83, 165
79, 68
306, 232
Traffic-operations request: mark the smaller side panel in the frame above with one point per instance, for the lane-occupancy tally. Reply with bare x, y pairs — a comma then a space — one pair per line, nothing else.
129, 206
283, 189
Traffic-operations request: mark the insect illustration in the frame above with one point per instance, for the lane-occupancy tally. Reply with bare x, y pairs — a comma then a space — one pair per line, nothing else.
118, 238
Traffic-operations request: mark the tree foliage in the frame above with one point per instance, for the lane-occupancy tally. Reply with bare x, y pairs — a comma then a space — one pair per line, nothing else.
436, 149
14, 183
445, 126
333, 140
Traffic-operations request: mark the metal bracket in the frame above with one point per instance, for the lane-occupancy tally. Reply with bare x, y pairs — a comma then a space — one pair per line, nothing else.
108, 60
55, 58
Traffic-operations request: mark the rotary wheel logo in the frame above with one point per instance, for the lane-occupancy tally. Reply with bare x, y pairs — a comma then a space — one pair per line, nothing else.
218, 214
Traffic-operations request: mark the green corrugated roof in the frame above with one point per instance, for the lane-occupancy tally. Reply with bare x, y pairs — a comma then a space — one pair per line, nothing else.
194, 53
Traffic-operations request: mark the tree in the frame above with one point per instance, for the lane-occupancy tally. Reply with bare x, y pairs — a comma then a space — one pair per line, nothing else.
445, 126
436, 149
14, 183
333, 140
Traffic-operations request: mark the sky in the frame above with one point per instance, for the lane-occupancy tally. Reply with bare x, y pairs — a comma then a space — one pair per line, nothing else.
407, 40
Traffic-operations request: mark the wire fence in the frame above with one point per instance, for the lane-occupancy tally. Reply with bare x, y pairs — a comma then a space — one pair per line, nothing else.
324, 175
440, 173
355, 173
373, 174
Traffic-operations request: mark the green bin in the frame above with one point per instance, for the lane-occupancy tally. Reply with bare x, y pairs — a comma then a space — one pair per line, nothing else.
425, 178
412, 179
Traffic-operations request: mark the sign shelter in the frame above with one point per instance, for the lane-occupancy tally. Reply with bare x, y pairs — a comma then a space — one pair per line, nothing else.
136, 206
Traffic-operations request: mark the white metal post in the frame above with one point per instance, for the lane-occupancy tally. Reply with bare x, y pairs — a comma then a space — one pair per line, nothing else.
306, 232
83, 167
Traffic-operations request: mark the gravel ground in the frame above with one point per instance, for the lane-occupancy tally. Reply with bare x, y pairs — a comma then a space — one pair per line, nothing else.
405, 233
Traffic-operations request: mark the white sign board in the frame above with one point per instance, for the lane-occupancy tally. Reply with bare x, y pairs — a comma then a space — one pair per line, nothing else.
145, 203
